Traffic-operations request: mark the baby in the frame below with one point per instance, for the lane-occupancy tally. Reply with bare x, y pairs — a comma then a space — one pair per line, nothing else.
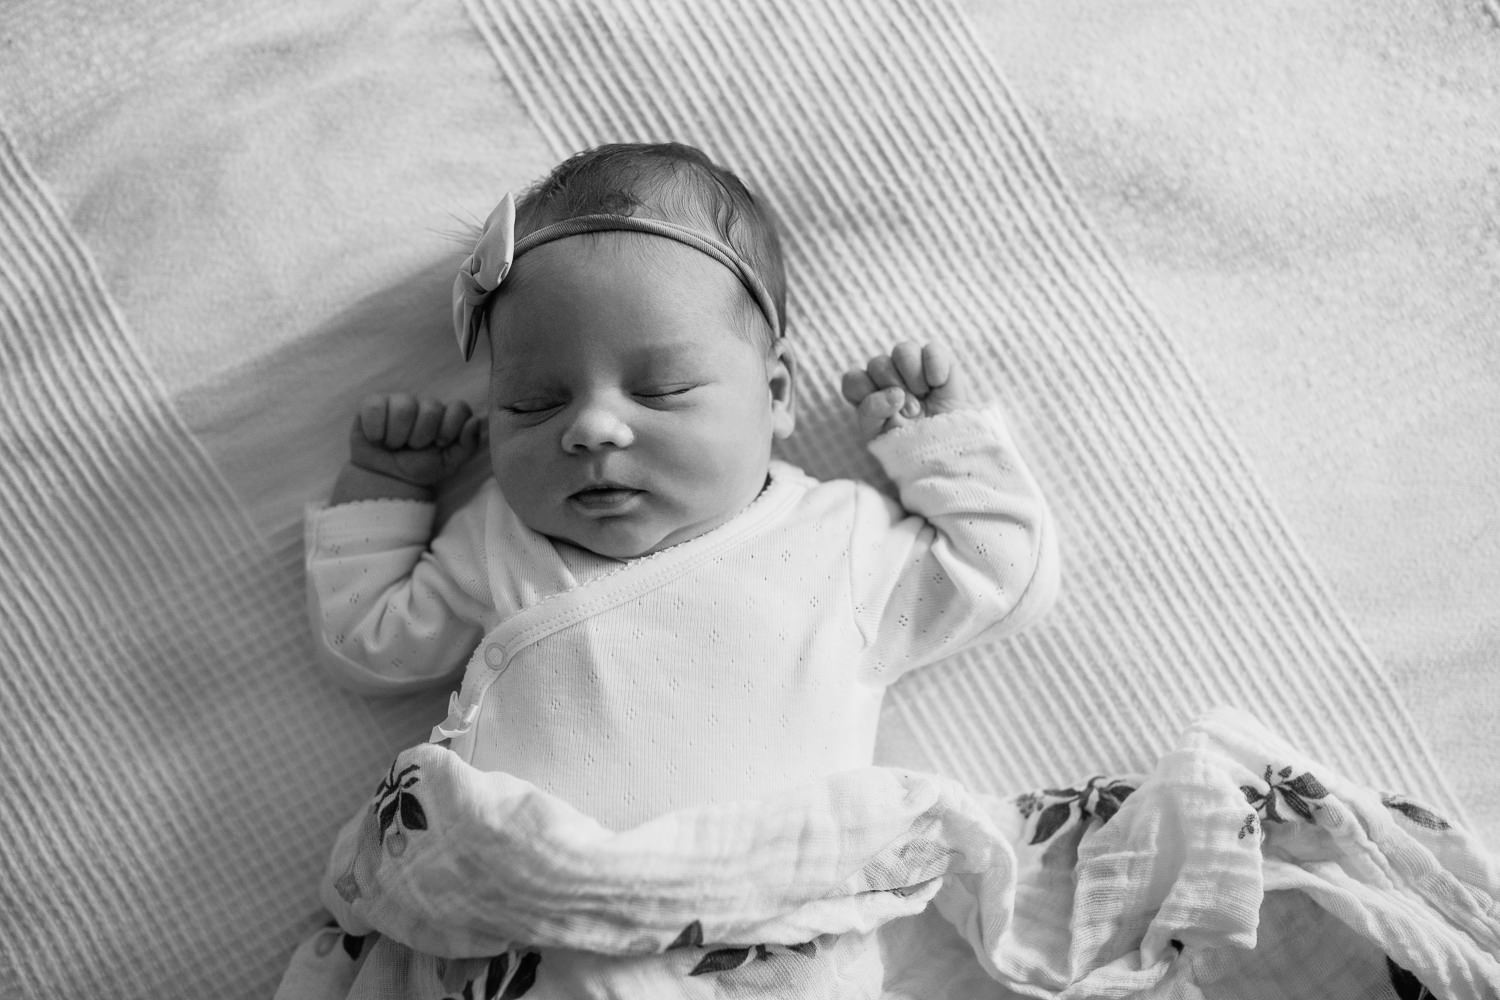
651, 612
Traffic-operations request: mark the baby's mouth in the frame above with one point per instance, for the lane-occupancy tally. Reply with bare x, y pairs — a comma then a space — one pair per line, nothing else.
603, 498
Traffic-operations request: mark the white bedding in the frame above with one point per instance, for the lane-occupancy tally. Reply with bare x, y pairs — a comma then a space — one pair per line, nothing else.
1266, 415
1305, 195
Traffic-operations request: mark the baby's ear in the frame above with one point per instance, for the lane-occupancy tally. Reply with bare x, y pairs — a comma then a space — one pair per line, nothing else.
782, 373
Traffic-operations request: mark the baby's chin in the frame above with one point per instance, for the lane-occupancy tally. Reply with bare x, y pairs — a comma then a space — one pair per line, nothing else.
625, 545
601, 545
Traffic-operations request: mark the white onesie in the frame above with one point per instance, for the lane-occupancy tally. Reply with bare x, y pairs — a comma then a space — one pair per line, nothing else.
748, 659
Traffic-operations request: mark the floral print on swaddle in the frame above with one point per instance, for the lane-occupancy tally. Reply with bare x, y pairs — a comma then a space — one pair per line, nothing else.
1236, 864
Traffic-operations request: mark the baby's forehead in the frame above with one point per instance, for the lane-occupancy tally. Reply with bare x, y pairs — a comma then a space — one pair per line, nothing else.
591, 251
620, 273
598, 341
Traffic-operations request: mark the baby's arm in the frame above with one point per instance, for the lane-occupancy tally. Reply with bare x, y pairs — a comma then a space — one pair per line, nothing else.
401, 447
392, 607
970, 553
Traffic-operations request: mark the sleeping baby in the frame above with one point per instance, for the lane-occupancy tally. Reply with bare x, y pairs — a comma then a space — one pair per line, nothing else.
650, 612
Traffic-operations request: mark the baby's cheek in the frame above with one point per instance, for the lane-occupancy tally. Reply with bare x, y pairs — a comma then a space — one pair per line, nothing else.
732, 467
517, 464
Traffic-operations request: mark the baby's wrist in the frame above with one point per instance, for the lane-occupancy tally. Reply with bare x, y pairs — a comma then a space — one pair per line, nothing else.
355, 482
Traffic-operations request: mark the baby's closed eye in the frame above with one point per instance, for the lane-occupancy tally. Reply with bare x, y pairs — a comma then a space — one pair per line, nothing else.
663, 394
531, 406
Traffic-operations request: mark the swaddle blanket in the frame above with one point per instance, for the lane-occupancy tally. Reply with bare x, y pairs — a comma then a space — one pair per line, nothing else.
1236, 867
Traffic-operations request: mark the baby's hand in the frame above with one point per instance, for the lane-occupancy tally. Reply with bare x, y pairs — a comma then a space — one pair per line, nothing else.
418, 441
907, 384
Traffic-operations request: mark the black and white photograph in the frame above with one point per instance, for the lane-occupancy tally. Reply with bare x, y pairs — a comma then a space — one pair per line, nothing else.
757, 500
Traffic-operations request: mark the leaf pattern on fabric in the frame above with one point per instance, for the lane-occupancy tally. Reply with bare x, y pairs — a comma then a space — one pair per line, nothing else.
394, 800
691, 937
412, 816
1300, 794
1099, 797
1419, 815
353, 944
722, 960
523, 979
1406, 985
505, 977
735, 957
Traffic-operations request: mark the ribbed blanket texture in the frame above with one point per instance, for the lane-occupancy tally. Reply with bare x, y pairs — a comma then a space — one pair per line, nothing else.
218, 229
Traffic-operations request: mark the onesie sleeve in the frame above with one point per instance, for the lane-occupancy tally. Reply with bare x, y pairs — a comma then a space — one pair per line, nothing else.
969, 554
392, 608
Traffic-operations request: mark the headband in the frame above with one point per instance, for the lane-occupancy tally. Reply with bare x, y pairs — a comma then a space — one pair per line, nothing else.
484, 270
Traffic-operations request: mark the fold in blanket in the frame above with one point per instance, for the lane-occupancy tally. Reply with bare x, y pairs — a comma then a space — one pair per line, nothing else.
1236, 867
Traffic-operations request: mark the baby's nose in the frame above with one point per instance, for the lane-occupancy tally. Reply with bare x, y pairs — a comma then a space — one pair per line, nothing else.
596, 426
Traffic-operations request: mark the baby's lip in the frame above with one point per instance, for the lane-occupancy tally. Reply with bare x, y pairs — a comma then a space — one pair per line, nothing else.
602, 497
603, 486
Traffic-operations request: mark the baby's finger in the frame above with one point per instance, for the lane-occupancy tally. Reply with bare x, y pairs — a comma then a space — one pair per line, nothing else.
937, 365
474, 434
400, 417
878, 409
455, 420
429, 420
907, 359
856, 385
372, 418
882, 372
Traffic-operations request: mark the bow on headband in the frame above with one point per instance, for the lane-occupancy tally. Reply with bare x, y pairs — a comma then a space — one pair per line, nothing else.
484, 270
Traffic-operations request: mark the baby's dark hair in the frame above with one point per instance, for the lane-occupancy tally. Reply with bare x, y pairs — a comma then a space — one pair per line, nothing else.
674, 182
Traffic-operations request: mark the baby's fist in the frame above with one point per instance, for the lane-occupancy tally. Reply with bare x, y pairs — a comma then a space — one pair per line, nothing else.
418, 441
907, 384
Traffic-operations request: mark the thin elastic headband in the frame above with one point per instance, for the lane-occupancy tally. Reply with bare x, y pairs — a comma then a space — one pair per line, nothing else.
484, 271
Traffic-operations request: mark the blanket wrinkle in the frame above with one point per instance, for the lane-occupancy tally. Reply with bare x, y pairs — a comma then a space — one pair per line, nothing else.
1237, 866
461, 863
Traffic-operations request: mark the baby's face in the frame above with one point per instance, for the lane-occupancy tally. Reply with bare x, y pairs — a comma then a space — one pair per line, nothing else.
627, 412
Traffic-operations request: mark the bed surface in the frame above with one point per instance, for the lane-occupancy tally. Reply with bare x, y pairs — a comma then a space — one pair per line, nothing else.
1307, 199
1235, 271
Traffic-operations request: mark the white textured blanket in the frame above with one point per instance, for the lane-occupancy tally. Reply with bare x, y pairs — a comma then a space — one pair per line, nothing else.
221, 223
